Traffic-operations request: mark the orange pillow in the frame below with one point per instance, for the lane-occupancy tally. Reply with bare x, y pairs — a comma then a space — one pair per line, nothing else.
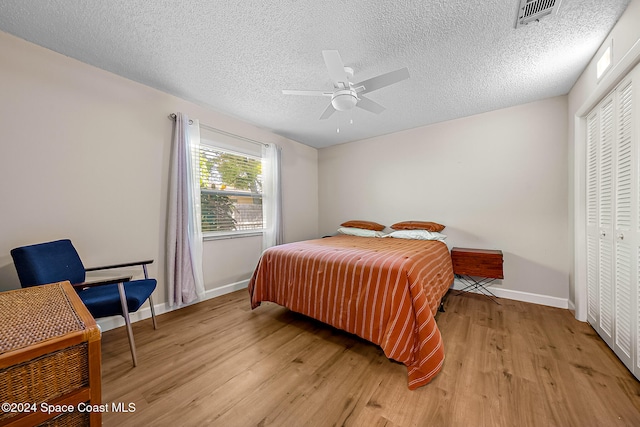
367, 225
418, 225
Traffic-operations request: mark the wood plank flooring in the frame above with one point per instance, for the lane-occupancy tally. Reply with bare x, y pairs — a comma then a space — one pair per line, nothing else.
218, 363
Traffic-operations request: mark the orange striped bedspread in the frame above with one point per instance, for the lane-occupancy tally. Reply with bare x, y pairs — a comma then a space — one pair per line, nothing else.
384, 290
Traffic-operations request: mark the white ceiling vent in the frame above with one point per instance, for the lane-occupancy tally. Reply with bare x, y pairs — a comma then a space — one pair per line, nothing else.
535, 10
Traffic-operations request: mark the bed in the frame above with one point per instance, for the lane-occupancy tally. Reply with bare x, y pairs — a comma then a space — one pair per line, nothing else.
385, 290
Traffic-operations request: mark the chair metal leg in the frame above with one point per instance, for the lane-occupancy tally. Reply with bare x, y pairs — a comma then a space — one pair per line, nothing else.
153, 313
153, 310
125, 314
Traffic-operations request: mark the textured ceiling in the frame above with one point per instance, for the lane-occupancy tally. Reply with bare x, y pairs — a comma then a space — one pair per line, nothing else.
464, 57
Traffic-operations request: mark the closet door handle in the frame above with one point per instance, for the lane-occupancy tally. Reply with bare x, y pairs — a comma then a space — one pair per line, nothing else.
603, 233
620, 236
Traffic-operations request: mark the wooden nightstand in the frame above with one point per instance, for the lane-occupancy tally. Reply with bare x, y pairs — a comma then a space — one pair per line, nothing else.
477, 268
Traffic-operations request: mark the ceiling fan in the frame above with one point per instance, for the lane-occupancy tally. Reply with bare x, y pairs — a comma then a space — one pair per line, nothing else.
346, 94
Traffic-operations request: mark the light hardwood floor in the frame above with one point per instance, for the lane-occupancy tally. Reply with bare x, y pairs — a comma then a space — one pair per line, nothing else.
219, 363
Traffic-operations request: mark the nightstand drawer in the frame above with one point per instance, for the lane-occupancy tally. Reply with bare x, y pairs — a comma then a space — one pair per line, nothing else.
477, 262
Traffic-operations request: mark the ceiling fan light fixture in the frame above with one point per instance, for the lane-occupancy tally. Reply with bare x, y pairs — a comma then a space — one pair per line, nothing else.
344, 100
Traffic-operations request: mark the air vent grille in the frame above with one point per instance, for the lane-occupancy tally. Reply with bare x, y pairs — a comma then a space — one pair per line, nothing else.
534, 10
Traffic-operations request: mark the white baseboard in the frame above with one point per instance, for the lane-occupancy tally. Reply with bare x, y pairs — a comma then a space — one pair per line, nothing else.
107, 323
113, 322
520, 296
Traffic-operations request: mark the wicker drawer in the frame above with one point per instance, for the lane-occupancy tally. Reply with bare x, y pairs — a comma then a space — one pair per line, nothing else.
49, 355
477, 262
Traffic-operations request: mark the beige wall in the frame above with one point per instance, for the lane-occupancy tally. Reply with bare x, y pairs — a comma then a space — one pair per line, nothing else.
496, 180
624, 35
84, 155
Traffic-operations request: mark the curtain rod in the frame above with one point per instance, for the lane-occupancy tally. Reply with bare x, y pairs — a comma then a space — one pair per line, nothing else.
173, 116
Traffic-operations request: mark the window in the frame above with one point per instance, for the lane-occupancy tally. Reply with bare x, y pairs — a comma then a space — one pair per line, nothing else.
603, 63
230, 191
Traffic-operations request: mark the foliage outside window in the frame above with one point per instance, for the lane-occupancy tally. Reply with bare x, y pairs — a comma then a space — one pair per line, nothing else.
230, 190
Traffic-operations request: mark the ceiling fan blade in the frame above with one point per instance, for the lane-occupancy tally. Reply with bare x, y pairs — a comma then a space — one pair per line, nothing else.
383, 80
369, 105
336, 68
306, 92
327, 112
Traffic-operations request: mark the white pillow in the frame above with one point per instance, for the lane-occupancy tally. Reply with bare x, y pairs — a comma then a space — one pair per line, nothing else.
360, 232
417, 235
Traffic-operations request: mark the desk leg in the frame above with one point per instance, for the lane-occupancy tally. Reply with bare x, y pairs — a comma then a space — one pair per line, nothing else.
478, 285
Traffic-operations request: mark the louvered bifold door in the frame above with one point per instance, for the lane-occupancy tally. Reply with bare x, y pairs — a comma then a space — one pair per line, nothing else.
626, 251
593, 230
630, 129
613, 220
605, 219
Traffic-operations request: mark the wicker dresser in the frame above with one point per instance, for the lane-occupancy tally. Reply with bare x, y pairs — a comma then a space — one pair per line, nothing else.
49, 358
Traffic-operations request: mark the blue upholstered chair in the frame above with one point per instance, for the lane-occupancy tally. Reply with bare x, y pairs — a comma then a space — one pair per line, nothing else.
58, 261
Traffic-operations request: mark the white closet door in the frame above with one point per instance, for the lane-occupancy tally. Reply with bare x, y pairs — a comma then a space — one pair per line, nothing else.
613, 220
626, 242
630, 130
605, 214
593, 231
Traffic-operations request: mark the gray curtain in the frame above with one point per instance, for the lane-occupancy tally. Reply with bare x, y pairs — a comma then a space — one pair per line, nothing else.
184, 235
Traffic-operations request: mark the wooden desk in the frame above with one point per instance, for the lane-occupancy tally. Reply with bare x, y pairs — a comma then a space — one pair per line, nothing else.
49, 355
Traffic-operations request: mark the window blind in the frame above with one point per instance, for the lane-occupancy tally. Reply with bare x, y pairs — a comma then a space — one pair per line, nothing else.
230, 189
